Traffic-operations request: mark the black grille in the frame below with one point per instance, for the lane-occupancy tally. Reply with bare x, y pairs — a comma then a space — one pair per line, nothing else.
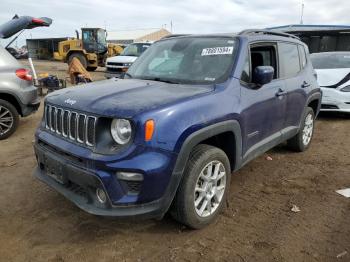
90, 133
65, 123
133, 186
53, 118
59, 121
81, 128
112, 69
115, 64
72, 125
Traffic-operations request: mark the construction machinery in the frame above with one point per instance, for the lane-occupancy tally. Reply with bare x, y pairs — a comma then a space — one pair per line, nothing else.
91, 50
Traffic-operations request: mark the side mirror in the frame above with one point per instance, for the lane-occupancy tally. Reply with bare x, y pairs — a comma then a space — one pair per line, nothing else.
263, 75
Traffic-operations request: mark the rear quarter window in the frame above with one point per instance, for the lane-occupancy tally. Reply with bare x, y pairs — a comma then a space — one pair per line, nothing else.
288, 60
302, 54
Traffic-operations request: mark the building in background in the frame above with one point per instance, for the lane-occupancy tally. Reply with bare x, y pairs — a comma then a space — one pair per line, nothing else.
43, 48
138, 35
320, 38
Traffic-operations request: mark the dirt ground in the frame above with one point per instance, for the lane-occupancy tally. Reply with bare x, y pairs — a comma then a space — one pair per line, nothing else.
38, 224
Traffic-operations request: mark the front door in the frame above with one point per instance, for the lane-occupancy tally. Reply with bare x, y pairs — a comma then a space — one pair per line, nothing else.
264, 110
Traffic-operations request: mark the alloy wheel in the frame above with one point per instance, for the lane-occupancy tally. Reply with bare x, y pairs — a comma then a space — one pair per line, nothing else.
210, 188
308, 129
6, 120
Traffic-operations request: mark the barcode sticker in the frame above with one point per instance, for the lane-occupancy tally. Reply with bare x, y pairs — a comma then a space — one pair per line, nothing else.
224, 50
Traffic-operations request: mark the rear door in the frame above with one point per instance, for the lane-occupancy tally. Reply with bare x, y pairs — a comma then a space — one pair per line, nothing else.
292, 60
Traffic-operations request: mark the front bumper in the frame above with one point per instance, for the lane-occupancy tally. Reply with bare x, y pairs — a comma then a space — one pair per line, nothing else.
115, 71
109, 75
334, 100
78, 181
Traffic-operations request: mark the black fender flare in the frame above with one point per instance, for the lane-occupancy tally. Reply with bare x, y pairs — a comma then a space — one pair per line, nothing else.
190, 142
200, 135
315, 96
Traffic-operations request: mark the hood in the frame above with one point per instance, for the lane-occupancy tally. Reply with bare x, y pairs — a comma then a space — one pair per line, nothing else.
332, 77
122, 59
123, 97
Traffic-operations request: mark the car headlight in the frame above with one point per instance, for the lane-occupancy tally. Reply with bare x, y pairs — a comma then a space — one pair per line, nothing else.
127, 64
121, 131
345, 89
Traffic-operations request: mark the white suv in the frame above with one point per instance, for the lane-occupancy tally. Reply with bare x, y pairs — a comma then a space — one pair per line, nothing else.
117, 65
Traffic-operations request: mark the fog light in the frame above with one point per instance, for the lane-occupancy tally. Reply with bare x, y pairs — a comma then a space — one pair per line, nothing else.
101, 195
129, 176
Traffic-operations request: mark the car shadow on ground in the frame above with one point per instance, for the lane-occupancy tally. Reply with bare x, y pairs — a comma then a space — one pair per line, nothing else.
331, 116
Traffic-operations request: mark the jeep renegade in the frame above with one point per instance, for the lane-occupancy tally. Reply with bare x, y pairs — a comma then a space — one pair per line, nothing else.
189, 112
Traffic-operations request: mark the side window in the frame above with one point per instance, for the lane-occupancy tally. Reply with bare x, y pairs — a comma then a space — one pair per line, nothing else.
302, 56
289, 60
264, 55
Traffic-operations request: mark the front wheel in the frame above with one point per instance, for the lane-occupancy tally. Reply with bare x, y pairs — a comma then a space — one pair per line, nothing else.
82, 59
203, 189
301, 141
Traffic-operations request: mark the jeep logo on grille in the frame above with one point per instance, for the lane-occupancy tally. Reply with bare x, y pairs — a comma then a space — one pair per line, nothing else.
70, 101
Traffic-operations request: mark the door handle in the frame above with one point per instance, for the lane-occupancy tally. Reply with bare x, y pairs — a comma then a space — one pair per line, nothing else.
281, 92
305, 84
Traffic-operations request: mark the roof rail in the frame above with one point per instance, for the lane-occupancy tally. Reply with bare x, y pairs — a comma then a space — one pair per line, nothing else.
173, 35
266, 32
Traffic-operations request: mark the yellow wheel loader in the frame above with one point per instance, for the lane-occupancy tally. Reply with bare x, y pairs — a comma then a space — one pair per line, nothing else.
91, 50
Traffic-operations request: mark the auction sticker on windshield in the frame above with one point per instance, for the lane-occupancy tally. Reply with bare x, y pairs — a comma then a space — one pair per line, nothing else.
224, 50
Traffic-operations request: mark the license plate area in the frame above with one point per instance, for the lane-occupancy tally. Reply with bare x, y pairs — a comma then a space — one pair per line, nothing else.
54, 169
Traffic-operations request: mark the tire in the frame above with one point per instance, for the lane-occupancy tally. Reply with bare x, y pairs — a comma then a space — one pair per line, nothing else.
184, 208
9, 119
91, 68
301, 141
81, 58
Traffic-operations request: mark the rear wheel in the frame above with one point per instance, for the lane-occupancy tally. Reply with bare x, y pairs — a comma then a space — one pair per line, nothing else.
91, 68
9, 119
301, 141
203, 189
79, 56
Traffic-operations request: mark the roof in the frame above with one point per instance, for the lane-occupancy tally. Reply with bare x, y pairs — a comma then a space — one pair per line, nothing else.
131, 34
252, 34
308, 28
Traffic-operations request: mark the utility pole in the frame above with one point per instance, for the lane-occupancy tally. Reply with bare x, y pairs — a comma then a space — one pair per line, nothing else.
302, 12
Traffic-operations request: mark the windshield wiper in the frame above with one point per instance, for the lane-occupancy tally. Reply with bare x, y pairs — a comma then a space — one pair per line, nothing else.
127, 74
164, 80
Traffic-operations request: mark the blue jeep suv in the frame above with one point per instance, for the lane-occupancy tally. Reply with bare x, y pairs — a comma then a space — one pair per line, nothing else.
189, 112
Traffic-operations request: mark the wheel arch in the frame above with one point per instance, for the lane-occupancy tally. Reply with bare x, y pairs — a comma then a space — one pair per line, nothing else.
72, 52
314, 101
209, 134
225, 135
13, 100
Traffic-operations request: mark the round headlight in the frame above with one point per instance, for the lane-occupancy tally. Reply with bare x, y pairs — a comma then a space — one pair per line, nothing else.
121, 131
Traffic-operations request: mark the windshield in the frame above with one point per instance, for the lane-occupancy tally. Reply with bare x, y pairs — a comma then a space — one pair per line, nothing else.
135, 49
101, 37
193, 60
330, 60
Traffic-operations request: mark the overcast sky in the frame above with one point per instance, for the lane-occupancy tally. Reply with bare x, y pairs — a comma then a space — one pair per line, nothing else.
195, 16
